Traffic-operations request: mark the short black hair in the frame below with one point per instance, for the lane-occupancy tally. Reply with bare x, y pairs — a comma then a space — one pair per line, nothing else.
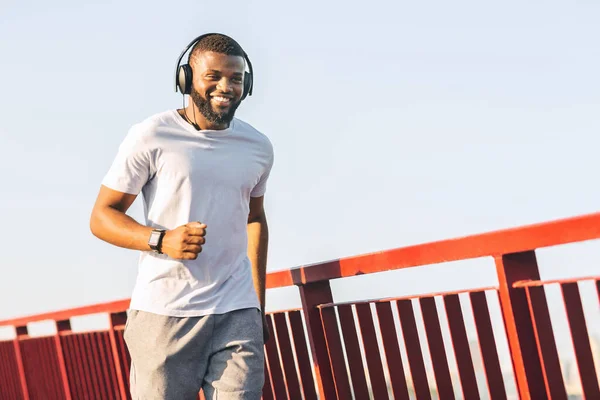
218, 43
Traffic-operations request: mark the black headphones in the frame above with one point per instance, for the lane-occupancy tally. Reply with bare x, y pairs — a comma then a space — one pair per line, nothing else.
183, 73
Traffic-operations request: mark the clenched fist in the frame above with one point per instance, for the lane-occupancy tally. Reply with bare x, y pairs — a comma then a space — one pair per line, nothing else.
185, 242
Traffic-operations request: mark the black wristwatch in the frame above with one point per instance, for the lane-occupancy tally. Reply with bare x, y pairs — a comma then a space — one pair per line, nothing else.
155, 241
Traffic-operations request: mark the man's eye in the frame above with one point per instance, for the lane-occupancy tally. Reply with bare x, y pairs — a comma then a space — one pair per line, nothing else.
237, 80
211, 76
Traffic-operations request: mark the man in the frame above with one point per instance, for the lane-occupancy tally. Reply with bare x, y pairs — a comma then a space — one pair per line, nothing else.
196, 318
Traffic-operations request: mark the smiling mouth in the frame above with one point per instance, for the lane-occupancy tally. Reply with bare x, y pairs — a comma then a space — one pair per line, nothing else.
221, 101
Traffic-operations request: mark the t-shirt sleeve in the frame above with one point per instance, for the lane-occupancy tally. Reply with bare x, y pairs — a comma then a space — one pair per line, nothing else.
131, 167
261, 187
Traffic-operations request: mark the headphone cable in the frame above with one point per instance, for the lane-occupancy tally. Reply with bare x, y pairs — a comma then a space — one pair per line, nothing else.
194, 124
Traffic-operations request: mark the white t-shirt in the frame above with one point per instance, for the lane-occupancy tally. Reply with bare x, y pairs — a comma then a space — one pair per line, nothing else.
187, 175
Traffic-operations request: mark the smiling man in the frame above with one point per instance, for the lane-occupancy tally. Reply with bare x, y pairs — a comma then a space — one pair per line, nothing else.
196, 318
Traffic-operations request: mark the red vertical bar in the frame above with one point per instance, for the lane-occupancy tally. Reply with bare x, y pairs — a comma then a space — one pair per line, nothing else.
436, 348
581, 340
521, 339
336, 354
74, 380
34, 371
83, 363
460, 343
6, 380
369, 338
285, 347
54, 365
35, 375
110, 364
413, 349
542, 329
487, 346
44, 358
389, 337
77, 367
30, 376
48, 357
312, 295
598, 288
355, 362
117, 319
105, 357
274, 362
4, 365
15, 372
107, 368
78, 364
25, 354
89, 358
37, 383
61, 327
99, 365
60, 379
21, 331
10, 371
306, 375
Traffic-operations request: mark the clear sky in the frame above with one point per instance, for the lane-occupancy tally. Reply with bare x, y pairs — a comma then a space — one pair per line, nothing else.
393, 123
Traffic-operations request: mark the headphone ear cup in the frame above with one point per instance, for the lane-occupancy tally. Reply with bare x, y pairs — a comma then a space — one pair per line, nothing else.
184, 79
247, 84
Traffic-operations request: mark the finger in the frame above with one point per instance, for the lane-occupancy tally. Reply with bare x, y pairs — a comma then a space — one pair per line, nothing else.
196, 231
195, 240
186, 255
196, 224
192, 248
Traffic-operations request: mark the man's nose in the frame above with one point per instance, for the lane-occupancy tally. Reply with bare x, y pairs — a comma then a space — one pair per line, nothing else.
224, 85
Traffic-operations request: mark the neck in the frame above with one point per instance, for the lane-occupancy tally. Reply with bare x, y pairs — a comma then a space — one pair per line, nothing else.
195, 118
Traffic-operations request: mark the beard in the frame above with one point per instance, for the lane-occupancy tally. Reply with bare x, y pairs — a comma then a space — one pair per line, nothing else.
206, 109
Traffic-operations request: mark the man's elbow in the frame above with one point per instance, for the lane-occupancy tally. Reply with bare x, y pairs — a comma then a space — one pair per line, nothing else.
95, 222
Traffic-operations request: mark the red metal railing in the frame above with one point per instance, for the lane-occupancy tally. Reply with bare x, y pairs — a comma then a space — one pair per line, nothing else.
366, 349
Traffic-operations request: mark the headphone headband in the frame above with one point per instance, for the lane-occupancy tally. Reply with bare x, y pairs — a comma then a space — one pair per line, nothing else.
249, 77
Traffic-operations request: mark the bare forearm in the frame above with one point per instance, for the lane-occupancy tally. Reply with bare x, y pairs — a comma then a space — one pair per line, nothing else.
258, 243
119, 229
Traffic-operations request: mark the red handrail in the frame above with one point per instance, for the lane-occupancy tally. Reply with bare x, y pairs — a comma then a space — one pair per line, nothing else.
513, 240
109, 307
506, 241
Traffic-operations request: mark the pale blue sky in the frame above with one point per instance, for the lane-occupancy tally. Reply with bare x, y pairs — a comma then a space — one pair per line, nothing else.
393, 123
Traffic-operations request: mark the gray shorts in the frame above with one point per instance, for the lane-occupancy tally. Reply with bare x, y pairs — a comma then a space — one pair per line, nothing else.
172, 357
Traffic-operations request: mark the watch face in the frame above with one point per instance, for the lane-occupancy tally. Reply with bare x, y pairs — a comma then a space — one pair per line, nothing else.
154, 238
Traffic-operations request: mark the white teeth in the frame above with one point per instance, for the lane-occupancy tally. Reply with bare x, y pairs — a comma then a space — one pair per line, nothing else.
221, 99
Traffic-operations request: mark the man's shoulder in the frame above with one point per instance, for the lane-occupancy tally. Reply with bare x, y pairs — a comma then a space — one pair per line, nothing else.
248, 130
151, 126
156, 121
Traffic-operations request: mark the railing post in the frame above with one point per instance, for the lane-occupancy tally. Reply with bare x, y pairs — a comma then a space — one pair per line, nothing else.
518, 323
312, 295
117, 319
21, 331
61, 328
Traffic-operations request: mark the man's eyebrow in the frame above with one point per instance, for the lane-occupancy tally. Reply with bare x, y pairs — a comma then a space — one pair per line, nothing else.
216, 71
